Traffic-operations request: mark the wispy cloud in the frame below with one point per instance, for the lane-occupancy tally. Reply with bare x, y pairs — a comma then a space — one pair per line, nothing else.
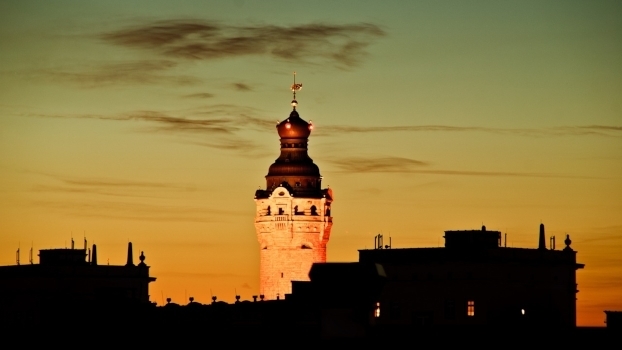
340, 45
216, 119
223, 122
199, 95
242, 87
377, 165
412, 166
134, 211
597, 130
136, 72
110, 187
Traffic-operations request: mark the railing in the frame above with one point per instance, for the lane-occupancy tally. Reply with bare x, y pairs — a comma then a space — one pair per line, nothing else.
281, 217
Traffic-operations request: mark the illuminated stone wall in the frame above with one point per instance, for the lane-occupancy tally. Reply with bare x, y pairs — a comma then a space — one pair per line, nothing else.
292, 234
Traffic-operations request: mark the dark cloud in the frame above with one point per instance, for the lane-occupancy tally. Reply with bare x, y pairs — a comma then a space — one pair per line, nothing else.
411, 166
597, 130
200, 95
242, 87
138, 72
342, 45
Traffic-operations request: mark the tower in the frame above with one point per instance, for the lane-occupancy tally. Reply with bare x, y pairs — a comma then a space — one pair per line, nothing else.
293, 217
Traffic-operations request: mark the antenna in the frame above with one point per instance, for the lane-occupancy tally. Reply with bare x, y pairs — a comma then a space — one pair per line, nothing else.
30, 255
17, 253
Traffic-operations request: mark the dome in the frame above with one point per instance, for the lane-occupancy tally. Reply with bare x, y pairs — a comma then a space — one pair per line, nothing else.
294, 127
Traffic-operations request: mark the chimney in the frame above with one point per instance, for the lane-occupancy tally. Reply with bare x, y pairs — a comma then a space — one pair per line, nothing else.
542, 244
130, 255
94, 255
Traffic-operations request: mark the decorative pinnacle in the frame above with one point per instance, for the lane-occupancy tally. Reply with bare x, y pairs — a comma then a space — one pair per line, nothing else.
295, 87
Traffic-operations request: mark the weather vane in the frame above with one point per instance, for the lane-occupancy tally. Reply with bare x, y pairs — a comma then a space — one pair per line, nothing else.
295, 87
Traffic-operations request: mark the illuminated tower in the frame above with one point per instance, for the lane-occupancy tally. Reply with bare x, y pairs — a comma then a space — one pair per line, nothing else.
292, 219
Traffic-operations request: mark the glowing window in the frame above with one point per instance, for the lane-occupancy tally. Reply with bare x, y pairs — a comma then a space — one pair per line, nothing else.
471, 308
377, 310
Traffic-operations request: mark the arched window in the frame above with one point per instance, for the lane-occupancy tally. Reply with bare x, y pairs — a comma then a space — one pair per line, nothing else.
313, 210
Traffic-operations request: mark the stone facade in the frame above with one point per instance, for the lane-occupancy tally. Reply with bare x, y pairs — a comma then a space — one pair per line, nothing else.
292, 233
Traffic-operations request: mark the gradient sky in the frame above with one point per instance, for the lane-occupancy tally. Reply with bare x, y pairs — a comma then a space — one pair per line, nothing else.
153, 122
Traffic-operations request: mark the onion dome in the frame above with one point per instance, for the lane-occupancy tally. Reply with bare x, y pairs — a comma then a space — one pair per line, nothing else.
294, 169
294, 127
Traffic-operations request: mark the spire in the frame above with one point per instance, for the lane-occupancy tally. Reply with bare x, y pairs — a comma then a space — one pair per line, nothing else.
94, 255
541, 242
130, 255
295, 87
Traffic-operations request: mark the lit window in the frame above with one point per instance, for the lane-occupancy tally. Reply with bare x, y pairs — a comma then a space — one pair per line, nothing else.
471, 308
377, 311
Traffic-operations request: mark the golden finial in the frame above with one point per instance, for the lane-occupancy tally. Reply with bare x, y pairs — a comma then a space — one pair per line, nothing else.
295, 87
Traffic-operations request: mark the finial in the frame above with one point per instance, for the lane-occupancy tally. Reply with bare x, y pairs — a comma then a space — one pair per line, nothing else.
568, 242
142, 259
295, 87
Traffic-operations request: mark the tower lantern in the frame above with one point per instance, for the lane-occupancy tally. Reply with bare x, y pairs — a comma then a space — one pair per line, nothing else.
293, 213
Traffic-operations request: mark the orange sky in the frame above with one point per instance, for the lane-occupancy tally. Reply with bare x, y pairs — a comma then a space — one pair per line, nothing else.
155, 123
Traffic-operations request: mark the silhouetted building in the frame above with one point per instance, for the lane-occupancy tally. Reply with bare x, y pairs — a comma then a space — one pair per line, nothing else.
293, 219
65, 285
614, 320
474, 280
338, 302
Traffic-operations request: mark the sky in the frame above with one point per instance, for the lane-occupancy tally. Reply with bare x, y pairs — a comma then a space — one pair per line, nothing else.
153, 122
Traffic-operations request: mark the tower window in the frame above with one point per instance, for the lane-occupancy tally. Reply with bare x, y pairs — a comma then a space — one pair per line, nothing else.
377, 310
313, 210
281, 274
471, 308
